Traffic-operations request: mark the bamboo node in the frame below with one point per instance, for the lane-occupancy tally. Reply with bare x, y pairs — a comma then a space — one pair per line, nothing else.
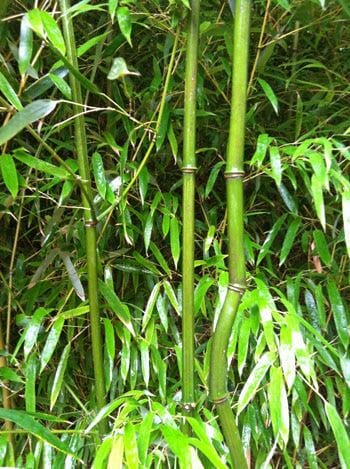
90, 223
189, 169
220, 400
236, 174
188, 406
237, 287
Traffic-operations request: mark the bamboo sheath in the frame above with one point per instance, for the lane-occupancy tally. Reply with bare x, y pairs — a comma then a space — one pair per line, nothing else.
188, 169
236, 264
89, 215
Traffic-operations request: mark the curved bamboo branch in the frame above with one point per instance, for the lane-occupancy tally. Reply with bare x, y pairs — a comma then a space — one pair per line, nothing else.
236, 264
188, 170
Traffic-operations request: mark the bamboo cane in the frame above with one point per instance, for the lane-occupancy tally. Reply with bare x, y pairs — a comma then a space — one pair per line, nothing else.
188, 170
236, 264
89, 216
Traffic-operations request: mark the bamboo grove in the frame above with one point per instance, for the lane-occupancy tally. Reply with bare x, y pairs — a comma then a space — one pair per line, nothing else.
175, 214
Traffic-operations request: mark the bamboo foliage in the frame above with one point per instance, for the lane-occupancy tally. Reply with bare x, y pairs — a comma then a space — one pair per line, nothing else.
188, 169
234, 190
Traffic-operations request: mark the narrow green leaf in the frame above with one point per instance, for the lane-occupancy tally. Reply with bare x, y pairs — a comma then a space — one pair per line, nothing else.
9, 174
30, 375
51, 342
317, 195
269, 94
8, 374
61, 84
270, 238
120, 309
339, 313
310, 449
109, 352
341, 435
175, 239
45, 25
9, 93
144, 350
28, 423
112, 6
130, 444
171, 295
99, 174
276, 166
59, 375
41, 165
287, 356
346, 218
32, 330
150, 305
144, 432
254, 380
261, 148
73, 275
322, 247
143, 183
31, 113
288, 241
73, 313
243, 344
278, 403
25, 48
124, 21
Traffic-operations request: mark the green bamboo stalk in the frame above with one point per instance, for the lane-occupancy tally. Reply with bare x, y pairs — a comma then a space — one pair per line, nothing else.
236, 264
89, 216
188, 169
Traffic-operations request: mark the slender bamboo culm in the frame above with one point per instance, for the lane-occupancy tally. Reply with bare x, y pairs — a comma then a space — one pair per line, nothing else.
89, 215
236, 264
188, 170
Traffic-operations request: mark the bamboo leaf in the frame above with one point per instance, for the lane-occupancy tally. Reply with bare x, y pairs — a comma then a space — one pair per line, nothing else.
261, 148
269, 94
346, 218
339, 313
150, 305
171, 295
278, 403
120, 309
30, 379
51, 342
73, 275
9, 93
287, 356
322, 247
254, 380
29, 114
115, 460
119, 69
45, 25
99, 174
145, 362
28, 423
61, 84
340, 433
317, 195
275, 159
124, 21
112, 6
32, 330
40, 165
175, 240
109, 352
25, 48
288, 241
130, 444
58, 380
9, 174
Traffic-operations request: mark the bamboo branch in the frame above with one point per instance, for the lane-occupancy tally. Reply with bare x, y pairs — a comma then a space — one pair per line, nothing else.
234, 185
90, 222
